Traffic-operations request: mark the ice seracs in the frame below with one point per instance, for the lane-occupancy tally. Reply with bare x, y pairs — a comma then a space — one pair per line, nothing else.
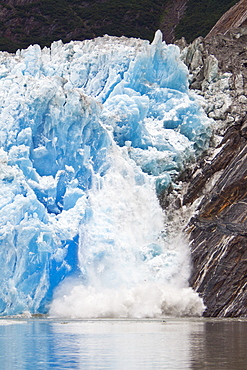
90, 132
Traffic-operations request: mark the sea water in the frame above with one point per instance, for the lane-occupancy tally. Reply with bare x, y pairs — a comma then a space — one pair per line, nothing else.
28, 344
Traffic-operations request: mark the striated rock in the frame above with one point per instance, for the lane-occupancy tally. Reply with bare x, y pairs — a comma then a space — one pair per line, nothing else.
217, 187
235, 17
218, 231
219, 240
221, 279
231, 144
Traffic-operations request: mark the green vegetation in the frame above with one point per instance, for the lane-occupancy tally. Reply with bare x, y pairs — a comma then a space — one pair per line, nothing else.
200, 17
44, 21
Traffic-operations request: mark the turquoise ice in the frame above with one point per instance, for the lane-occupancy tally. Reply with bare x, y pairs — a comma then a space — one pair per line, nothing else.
91, 132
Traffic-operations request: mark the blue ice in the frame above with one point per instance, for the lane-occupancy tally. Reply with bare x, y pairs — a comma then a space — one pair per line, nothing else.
79, 120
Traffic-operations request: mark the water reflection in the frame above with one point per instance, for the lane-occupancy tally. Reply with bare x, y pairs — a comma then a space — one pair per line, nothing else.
220, 345
173, 344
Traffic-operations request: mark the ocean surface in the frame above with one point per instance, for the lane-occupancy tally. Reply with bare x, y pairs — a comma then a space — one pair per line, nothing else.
123, 344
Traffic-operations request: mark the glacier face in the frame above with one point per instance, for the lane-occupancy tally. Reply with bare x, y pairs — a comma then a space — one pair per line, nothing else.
90, 132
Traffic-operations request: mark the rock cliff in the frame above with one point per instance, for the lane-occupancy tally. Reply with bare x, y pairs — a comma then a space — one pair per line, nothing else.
217, 187
235, 17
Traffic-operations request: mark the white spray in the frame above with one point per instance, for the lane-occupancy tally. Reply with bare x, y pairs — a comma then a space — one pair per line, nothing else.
129, 267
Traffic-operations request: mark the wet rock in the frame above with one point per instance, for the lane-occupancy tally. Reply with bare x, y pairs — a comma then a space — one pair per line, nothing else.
229, 146
218, 183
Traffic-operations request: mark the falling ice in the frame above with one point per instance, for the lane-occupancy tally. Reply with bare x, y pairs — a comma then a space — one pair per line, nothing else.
91, 132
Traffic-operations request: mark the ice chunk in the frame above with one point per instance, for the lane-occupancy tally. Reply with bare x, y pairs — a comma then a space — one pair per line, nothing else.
88, 130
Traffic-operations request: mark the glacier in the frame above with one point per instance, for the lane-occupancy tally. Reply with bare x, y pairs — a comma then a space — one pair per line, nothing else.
91, 133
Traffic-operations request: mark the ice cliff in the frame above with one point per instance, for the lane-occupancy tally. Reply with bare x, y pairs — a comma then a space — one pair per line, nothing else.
90, 133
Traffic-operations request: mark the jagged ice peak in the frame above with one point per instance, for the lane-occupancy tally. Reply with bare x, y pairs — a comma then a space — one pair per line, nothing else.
91, 132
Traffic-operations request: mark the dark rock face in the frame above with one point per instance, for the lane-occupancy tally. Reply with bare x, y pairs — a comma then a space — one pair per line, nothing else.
218, 230
218, 234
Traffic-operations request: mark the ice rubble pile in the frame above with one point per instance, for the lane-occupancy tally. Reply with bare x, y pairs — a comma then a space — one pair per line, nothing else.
71, 117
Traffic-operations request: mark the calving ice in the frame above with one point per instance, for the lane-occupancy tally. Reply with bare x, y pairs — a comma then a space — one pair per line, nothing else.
91, 132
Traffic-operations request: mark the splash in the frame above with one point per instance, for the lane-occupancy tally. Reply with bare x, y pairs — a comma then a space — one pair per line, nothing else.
129, 267
91, 132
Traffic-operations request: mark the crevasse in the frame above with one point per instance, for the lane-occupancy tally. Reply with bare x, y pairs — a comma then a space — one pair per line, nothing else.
90, 133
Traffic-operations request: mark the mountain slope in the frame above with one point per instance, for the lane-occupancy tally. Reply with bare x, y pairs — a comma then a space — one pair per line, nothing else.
233, 18
25, 22
200, 17
43, 21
